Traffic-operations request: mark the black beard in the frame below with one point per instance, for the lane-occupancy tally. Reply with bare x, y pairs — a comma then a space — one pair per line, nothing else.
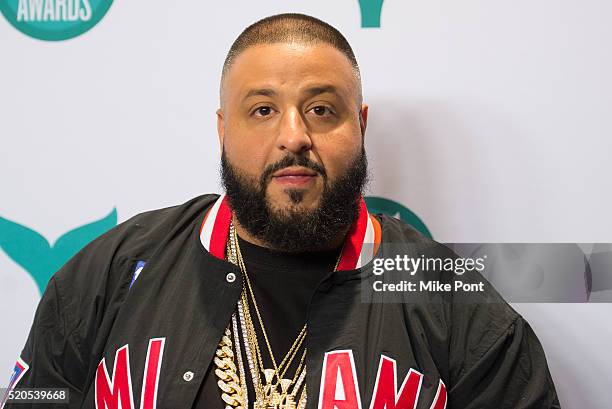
295, 230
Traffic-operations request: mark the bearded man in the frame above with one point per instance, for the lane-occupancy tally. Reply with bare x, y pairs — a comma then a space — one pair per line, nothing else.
256, 298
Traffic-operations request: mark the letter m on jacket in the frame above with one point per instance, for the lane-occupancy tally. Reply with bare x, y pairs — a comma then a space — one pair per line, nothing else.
340, 389
385, 395
115, 392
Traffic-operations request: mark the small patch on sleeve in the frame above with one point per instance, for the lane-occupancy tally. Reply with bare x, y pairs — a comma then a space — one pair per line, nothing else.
139, 266
21, 367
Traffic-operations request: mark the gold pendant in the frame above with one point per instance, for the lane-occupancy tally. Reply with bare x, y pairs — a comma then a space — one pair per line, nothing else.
272, 397
269, 375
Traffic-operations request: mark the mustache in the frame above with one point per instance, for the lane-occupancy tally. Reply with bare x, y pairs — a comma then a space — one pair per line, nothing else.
291, 160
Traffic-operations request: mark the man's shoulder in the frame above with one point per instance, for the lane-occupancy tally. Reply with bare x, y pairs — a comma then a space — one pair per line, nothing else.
398, 237
167, 218
133, 240
153, 225
399, 232
93, 285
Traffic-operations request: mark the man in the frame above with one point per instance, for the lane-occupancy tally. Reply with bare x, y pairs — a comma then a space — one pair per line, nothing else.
259, 298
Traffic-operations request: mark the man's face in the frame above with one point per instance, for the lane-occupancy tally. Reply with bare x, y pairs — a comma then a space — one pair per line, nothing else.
291, 101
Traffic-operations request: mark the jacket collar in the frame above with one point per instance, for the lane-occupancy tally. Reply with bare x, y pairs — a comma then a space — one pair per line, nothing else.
359, 248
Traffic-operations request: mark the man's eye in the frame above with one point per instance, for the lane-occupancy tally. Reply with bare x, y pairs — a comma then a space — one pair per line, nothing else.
321, 110
263, 111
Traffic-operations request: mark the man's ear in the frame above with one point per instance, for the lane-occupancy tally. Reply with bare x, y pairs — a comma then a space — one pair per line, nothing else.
220, 128
363, 119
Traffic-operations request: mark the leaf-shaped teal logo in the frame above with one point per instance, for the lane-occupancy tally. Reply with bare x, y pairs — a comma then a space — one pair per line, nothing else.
37, 256
370, 12
394, 209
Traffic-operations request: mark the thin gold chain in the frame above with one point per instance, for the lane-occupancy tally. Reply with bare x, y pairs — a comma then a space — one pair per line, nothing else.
295, 350
297, 371
279, 370
261, 323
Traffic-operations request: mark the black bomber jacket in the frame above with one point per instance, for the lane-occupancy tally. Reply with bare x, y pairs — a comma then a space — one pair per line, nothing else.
114, 342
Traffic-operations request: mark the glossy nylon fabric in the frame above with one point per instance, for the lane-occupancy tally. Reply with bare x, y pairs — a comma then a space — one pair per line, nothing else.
485, 354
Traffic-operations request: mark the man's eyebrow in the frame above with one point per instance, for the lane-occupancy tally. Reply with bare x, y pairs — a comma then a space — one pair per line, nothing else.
266, 92
312, 91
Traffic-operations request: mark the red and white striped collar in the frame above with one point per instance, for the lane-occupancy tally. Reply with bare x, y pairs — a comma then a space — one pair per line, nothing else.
359, 248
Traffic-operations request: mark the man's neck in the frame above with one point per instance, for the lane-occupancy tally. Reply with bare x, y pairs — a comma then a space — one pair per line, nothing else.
245, 235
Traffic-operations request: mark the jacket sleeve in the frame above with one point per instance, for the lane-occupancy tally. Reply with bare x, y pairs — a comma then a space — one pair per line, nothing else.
502, 366
51, 357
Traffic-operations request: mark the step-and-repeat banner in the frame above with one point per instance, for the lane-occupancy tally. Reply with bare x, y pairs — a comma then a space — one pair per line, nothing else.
489, 122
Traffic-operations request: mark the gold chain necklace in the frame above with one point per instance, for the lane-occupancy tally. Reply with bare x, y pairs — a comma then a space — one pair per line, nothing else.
296, 343
269, 395
233, 387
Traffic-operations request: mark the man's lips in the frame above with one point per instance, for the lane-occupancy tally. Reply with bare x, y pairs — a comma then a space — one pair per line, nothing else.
294, 171
294, 176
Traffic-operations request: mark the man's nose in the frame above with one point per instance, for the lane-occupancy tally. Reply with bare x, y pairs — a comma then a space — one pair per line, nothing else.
293, 134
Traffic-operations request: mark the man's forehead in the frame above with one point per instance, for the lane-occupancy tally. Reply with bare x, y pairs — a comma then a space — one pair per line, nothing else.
313, 68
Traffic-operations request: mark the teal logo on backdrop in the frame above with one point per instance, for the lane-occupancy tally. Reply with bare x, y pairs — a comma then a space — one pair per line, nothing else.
370, 12
54, 20
394, 209
37, 256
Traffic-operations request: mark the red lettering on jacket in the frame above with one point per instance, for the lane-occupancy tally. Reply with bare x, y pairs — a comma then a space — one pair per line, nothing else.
150, 382
339, 388
116, 392
385, 395
440, 399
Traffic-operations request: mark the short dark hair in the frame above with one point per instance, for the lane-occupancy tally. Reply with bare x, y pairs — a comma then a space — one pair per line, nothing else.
290, 27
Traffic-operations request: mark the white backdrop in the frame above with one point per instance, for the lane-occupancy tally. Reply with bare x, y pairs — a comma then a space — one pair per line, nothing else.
489, 119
